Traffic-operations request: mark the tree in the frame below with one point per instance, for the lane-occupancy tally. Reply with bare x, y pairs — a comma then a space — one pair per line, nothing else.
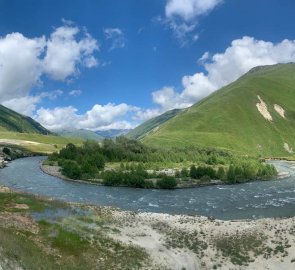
184, 172
71, 169
220, 173
6, 151
167, 182
193, 172
231, 177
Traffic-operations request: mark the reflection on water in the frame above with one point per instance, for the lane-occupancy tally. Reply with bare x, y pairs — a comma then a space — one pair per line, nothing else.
250, 200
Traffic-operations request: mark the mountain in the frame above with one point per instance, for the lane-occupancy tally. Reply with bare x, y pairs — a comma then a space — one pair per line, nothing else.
112, 133
253, 115
152, 125
80, 134
13, 121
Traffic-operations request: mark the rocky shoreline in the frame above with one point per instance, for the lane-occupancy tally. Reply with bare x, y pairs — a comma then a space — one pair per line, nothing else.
3, 162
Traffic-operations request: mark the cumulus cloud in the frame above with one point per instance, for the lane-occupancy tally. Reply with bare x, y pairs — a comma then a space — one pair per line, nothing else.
65, 51
20, 65
27, 105
116, 37
24, 105
181, 16
189, 9
224, 68
24, 60
100, 117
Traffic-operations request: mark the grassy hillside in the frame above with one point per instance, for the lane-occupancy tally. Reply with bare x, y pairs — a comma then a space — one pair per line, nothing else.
151, 125
36, 142
81, 134
229, 118
12, 121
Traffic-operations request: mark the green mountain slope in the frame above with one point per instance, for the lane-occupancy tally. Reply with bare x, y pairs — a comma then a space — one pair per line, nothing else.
151, 125
12, 121
81, 134
230, 119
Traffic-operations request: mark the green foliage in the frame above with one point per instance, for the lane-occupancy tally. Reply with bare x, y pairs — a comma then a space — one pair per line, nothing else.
71, 169
200, 171
220, 173
6, 151
133, 158
184, 172
167, 182
135, 178
250, 171
193, 172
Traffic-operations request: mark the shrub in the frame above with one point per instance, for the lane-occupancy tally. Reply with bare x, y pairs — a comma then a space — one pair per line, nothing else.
205, 179
6, 151
71, 169
167, 182
193, 173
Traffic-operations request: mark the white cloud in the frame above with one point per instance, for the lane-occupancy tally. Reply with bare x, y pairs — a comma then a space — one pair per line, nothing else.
189, 9
75, 93
27, 105
24, 105
100, 117
24, 60
116, 36
20, 65
64, 52
224, 68
182, 17
146, 114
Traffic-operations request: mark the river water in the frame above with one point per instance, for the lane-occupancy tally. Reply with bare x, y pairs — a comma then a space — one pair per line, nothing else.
244, 201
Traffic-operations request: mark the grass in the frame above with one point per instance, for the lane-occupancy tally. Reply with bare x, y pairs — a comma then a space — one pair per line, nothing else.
179, 239
46, 143
229, 119
239, 247
144, 129
13, 121
65, 243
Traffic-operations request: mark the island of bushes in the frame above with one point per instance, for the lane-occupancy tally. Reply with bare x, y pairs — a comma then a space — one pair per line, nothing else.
125, 162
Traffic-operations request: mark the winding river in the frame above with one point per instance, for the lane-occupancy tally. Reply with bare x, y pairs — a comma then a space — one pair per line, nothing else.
245, 201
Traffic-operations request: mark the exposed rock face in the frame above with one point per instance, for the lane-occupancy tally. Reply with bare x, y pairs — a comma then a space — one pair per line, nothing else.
279, 110
262, 108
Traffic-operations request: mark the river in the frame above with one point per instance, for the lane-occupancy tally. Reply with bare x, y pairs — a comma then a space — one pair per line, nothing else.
253, 200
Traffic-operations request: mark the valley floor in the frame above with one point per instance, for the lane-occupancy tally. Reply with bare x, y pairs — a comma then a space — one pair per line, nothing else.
37, 233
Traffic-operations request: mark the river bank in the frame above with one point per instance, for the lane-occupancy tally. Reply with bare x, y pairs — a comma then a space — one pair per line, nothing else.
149, 240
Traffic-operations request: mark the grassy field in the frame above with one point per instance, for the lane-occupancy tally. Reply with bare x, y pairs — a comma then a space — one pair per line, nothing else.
229, 118
73, 241
42, 143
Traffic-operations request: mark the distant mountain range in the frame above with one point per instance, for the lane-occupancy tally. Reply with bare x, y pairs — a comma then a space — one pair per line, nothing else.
112, 133
80, 134
254, 115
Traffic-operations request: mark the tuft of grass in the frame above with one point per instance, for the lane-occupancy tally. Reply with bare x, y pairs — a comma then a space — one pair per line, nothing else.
239, 247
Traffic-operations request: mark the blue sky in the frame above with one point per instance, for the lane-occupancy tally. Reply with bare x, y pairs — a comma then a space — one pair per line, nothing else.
113, 64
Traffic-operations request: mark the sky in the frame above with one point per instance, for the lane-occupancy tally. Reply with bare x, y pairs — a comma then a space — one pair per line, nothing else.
106, 64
